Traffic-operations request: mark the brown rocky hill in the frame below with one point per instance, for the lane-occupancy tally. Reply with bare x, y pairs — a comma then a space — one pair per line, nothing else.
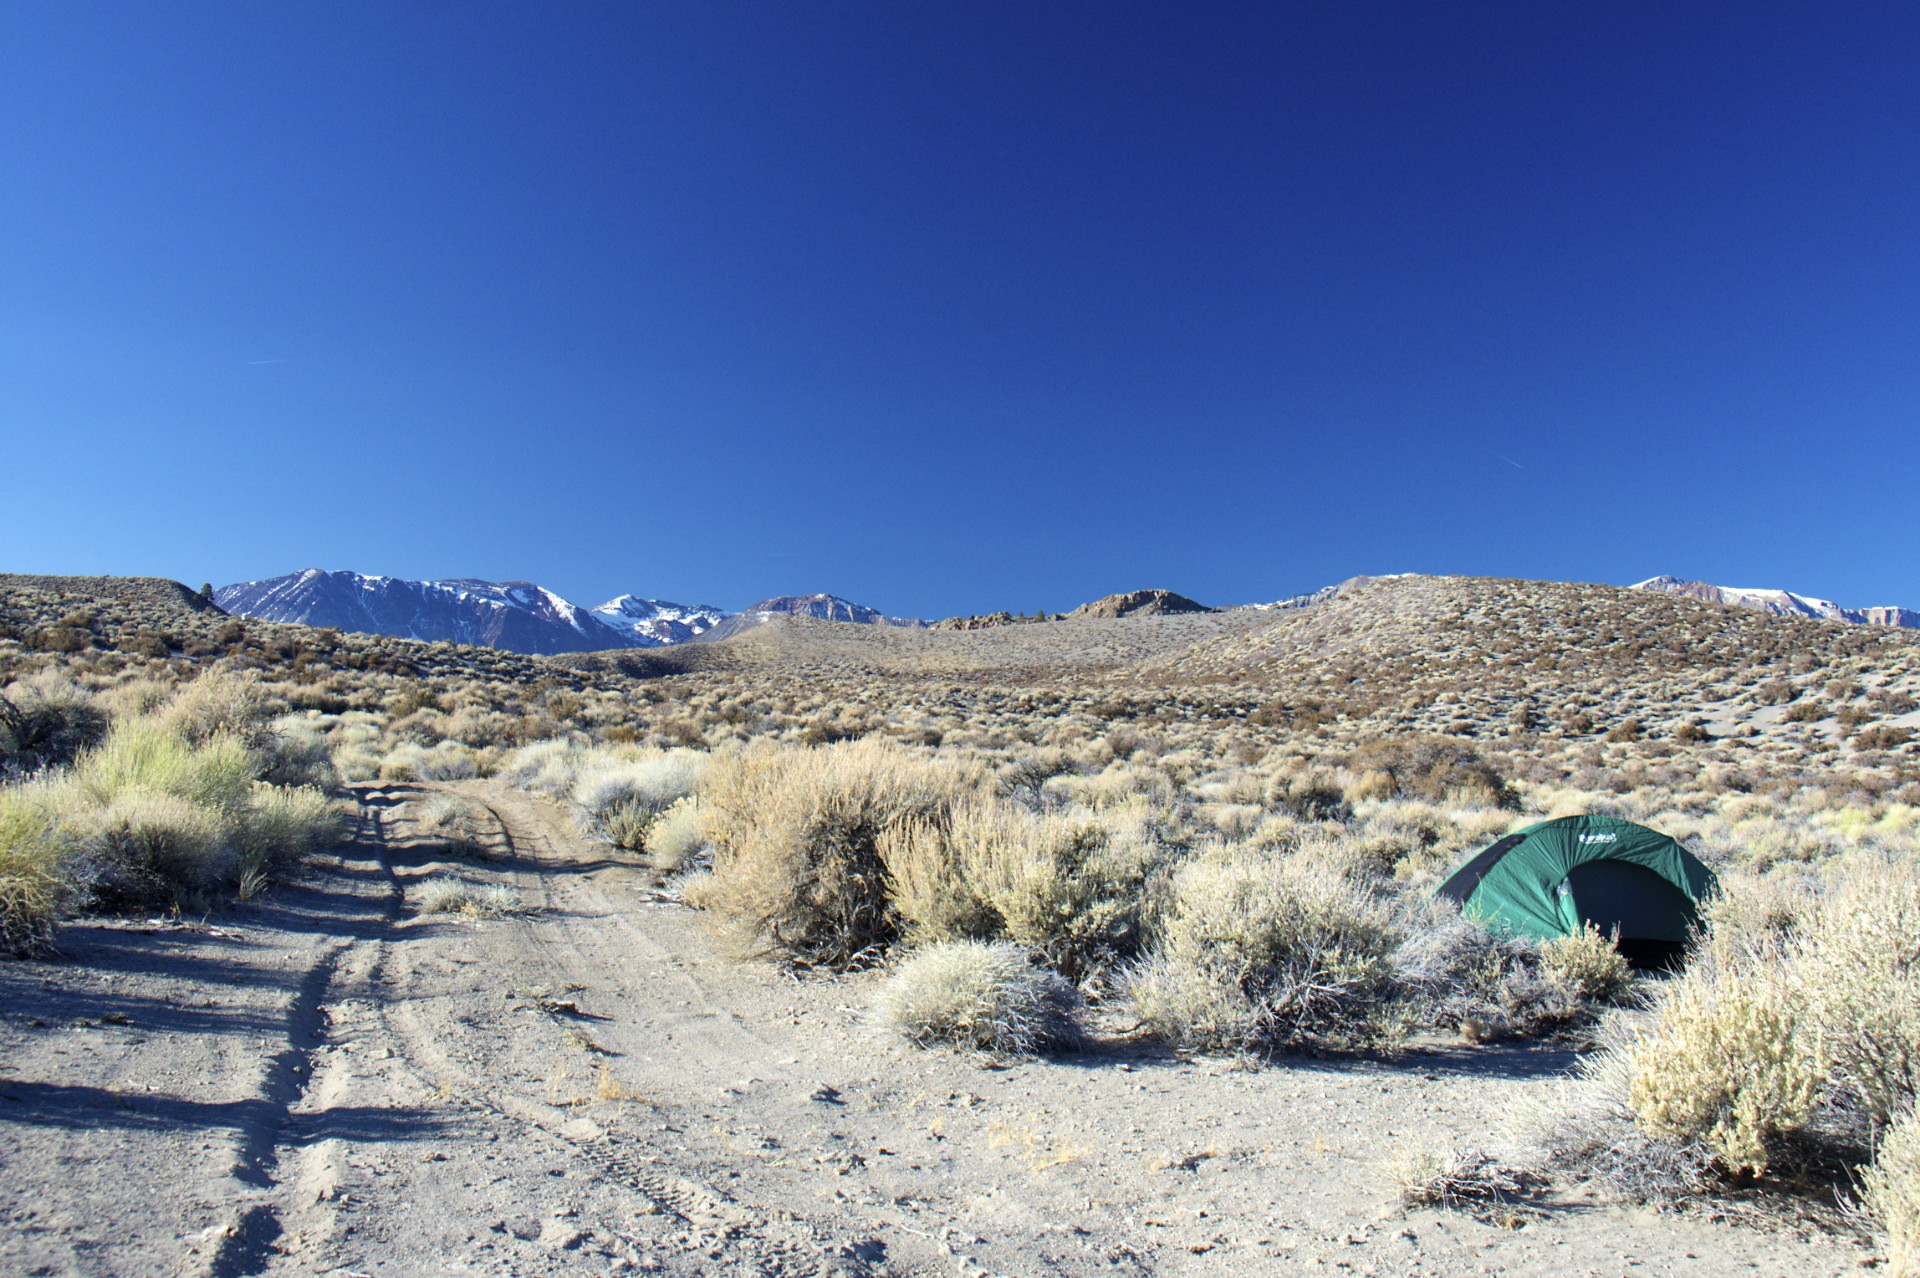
1140, 603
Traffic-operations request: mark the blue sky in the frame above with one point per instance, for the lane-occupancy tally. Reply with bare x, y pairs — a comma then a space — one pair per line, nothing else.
949, 308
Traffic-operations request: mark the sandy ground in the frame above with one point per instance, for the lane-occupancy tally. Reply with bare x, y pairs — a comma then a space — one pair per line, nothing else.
327, 1082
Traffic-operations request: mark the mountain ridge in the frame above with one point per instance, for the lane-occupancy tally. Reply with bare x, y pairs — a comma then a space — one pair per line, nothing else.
1781, 603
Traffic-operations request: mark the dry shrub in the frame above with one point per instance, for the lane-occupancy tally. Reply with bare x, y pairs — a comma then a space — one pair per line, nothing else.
151, 841
1859, 967
1070, 887
1442, 1176
1731, 1063
1587, 964
45, 722
1454, 973
796, 839
677, 838
1890, 1191
620, 798
213, 705
980, 995
1438, 769
1261, 952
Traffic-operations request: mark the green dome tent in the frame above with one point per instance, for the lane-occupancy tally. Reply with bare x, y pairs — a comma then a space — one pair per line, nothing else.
1553, 878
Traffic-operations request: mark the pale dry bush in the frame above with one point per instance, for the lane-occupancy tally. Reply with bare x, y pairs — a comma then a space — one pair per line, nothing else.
1890, 1192
149, 840
46, 720
215, 704
1732, 1062
1454, 973
548, 767
796, 838
1260, 952
981, 995
448, 895
677, 839
1859, 968
620, 794
442, 761
1447, 1176
1586, 964
1069, 886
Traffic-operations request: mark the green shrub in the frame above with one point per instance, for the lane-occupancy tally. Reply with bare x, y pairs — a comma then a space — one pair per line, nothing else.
142, 755
37, 855
980, 995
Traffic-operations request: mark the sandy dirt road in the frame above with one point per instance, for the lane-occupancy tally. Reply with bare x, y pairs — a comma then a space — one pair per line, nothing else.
327, 1081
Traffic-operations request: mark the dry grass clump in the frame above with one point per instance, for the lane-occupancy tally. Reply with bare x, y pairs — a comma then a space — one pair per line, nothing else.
981, 995
796, 837
445, 894
1443, 1176
1259, 953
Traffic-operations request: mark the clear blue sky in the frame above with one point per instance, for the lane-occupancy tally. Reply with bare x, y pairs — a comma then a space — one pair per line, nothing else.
958, 306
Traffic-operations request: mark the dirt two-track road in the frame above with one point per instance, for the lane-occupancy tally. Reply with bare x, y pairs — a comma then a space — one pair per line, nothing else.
327, 1081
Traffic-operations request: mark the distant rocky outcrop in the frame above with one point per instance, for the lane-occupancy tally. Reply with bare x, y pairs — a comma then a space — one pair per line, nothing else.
989, 621
1140, 603
1781, 603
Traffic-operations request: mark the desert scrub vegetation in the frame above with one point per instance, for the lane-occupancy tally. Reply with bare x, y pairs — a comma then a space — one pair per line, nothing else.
184, 794
979, 994
1786, 1049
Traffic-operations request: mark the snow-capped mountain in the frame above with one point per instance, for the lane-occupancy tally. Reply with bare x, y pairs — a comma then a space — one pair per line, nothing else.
821, 607
653, 622
1783, 603
515, 615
